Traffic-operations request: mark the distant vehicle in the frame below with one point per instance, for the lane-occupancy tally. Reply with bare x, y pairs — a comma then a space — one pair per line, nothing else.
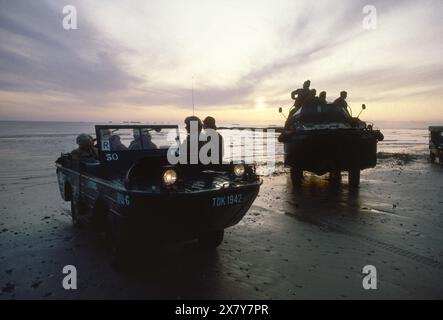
140, 199
325, 138
436, 143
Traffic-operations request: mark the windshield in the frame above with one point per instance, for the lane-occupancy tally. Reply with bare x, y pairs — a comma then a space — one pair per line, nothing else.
321, 114
138, 138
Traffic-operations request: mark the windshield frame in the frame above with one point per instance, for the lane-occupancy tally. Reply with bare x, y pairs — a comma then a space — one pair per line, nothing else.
119, 156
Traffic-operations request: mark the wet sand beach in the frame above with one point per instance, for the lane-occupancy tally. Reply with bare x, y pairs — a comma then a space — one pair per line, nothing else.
293, 244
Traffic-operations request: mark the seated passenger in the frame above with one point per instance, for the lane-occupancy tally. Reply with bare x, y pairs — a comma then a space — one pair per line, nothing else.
322, 98
143, 142
312, 100
116, 144
85, 150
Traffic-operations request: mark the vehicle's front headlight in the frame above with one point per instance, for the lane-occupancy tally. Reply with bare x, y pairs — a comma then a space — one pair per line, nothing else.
169, 177
239, 170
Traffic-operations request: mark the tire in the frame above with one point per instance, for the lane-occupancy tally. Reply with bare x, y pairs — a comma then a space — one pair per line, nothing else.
210, 240
119, 257
335, 176
432, 157
354, 178
296, 176
76, 211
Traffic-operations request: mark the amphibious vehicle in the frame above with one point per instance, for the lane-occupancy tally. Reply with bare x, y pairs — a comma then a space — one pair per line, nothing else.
325, 138
134, 194
436, 143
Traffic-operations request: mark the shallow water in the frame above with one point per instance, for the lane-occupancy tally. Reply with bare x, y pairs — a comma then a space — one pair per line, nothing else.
28, 149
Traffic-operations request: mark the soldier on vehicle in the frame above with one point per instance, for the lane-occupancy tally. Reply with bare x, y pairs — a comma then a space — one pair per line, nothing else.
209, 124
143, 141
302, 94
341, 102
116, 143
194, 128
322, 98
312, 100
85, 150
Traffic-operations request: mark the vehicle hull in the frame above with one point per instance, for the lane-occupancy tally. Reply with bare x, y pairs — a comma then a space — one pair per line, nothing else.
178, 217
322, 151
158, 216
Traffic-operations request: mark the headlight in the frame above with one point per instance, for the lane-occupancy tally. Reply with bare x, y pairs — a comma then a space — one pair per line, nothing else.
169, 177
239, 170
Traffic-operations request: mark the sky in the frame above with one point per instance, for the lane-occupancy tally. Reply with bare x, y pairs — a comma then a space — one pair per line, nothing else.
140, 60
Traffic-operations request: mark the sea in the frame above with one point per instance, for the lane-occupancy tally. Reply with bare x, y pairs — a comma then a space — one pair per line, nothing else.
28, 149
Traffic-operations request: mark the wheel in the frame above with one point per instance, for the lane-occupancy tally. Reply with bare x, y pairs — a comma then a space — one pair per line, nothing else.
296, 176
211, 239
76, 211
432, 156
335, 176
354, 178
117, 250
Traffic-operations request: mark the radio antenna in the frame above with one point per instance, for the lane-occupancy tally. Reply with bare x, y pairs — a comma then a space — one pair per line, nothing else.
193, 106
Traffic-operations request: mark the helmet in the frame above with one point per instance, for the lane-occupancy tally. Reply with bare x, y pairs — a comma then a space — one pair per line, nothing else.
209, 123
190, 119
84, 139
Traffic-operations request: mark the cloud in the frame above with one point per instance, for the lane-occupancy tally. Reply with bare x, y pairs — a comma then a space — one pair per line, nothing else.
37, 54
150, 54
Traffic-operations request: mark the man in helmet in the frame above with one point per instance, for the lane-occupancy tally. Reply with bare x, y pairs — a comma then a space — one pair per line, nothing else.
192, 143
142, 141
85, 150
209, 124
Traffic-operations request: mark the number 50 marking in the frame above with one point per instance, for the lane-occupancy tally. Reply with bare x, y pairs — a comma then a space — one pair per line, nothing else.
111, 157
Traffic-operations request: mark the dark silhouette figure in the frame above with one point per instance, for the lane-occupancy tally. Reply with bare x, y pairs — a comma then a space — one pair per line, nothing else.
190, 122
312, 101
209, 123
302, 94
143, 141
322, 98
341, 102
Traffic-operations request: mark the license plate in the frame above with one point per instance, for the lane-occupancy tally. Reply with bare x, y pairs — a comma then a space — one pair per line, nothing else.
227, 200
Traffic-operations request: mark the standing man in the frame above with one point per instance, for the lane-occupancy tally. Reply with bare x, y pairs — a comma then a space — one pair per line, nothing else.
192, 143
302, 94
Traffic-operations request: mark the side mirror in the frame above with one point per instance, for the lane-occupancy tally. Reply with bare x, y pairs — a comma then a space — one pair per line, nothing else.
363, 106
280, 110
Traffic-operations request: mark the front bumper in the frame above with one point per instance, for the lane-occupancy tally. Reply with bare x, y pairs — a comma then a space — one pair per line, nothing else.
322, 153
169, 217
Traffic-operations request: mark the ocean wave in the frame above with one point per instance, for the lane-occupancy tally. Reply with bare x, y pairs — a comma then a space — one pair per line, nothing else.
40, 136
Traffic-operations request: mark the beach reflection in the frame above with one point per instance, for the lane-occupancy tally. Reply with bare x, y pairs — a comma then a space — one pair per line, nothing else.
319, 198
